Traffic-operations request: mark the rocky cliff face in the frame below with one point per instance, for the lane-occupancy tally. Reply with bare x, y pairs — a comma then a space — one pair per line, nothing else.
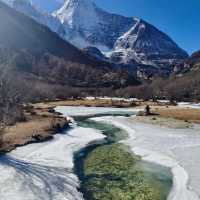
148, 45
190, 64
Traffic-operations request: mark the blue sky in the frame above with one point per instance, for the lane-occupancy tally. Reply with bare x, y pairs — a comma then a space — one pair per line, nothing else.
180, 19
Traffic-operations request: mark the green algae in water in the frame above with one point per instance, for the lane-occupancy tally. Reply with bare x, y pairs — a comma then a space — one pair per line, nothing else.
109, 172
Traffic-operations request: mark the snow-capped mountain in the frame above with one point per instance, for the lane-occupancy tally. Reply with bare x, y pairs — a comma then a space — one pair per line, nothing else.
126, 40
31, 9
147, 45
129, 40
88, 25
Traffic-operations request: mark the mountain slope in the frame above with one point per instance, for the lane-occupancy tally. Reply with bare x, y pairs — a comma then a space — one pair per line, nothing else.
20, 32
194, 61
149, 45
190, 64
29, 8
32, 49
184, 84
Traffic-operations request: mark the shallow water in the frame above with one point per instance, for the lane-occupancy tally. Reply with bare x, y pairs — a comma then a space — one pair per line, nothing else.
156, 175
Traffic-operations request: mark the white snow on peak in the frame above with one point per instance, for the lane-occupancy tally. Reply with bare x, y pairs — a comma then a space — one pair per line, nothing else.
78, 13
128, 36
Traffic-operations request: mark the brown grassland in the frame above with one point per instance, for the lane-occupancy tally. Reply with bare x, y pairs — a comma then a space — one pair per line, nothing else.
40, 125
185, 114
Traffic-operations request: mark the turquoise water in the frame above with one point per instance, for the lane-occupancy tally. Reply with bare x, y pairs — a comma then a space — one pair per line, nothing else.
156, 175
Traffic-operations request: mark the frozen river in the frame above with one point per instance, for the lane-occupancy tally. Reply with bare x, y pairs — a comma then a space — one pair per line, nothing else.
44, 171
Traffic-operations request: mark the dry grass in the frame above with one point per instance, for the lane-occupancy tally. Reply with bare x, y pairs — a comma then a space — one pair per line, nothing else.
40, 126
89, 103
164, 122
171, 116
186, 114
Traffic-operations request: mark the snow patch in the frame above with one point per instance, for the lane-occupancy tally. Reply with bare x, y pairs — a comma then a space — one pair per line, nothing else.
87, 111
189, 105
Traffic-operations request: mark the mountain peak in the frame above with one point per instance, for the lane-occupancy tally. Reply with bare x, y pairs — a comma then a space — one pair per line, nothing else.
144, 36
78, 1
76, 5
80, 12
88, 25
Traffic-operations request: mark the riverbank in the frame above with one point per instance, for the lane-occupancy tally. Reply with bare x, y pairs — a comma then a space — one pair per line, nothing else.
40, 125
45, 170
187, 114
159, 109
161, 121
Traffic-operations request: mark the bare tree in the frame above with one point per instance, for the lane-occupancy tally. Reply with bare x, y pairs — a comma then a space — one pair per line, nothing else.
10, 101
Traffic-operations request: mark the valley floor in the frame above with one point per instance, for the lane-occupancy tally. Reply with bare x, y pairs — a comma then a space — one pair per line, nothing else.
184, 111
170, 139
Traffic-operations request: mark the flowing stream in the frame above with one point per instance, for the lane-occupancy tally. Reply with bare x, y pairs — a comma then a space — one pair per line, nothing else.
156, 175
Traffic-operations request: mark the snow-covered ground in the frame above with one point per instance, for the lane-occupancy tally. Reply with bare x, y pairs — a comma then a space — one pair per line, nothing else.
82, 111
178, 149
113, 99
43, 171
189, 105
